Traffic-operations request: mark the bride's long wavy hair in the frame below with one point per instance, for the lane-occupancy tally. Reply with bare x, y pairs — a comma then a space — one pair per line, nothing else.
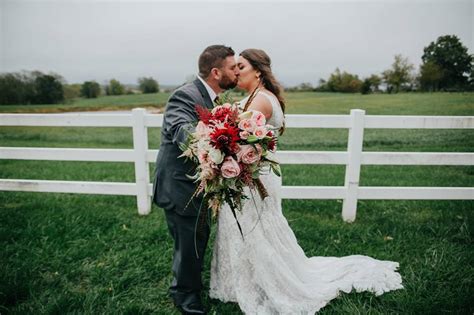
261, 62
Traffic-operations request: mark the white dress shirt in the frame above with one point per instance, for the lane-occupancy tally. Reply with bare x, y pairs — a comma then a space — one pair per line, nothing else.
211, 92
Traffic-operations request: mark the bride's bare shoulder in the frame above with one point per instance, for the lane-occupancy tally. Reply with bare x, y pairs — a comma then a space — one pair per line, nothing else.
269, 93
262, 104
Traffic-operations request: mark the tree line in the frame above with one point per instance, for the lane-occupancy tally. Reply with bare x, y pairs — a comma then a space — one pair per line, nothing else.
446, 66
36, 87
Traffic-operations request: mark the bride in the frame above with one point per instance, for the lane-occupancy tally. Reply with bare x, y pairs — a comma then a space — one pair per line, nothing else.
267, 272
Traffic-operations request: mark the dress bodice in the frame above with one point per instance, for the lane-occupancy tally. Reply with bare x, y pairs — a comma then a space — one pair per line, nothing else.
277, 118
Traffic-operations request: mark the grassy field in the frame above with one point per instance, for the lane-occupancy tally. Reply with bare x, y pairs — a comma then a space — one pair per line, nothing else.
121, 102
298, 103
70, 253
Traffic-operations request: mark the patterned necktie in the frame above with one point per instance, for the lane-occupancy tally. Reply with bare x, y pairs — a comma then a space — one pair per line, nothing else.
217, 100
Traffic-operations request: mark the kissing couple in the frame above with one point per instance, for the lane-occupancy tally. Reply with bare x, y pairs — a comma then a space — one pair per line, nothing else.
266, 271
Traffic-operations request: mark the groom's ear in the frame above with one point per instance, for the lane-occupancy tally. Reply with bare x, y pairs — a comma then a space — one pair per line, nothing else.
215, 73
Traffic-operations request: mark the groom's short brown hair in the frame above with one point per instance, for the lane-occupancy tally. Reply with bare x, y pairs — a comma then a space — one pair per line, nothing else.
212, 57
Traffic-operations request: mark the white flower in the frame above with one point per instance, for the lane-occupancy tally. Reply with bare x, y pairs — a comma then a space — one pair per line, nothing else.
204, 145
246, 115
216, 156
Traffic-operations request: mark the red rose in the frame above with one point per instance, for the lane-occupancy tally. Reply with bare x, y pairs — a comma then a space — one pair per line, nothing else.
225, 139
272, 145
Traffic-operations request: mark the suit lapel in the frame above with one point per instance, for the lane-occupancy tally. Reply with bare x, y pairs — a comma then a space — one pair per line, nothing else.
205, 95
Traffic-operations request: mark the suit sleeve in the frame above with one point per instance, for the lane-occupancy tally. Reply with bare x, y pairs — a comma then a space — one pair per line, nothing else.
181, 116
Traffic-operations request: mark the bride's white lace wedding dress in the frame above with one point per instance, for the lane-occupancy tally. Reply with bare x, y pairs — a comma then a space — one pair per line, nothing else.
267, 272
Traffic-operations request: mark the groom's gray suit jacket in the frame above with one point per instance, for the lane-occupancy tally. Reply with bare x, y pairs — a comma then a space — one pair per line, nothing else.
172, 189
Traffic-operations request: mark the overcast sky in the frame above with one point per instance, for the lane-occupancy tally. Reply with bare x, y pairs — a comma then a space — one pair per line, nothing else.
100, 40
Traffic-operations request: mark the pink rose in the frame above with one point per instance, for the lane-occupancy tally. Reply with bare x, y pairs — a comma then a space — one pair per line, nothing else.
260, 132
226, 105
201, 129
259, 118
248, 154
244, 134
230, 168
247, 125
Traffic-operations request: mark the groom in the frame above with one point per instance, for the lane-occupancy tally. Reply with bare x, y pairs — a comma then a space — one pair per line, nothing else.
173, 189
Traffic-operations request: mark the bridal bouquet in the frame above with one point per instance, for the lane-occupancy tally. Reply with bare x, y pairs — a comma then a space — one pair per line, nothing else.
231, 149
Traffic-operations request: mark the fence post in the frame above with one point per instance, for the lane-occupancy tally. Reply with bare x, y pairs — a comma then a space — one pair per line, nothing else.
354, 151
142, 172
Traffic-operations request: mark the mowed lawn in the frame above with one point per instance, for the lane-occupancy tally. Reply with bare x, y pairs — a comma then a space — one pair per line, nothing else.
92, 254
119, 102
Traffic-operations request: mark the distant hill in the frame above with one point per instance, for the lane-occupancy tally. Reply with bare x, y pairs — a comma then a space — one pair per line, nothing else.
168, 87
163, 87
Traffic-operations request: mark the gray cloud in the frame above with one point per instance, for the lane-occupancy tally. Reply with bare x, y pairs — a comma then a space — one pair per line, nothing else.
306, 40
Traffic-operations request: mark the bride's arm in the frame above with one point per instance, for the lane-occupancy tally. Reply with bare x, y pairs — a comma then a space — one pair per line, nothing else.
263, 105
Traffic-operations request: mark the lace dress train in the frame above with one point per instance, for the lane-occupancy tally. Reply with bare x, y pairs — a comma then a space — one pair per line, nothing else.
267, 272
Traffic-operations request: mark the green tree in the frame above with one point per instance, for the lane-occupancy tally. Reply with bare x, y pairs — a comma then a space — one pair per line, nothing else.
453, 59
148, 85
375, 82
16, 88
366, 86
430, 76
90, 89
72, 91
31, 87
399, 75
114, 88
371, 84
344, 82
471, 81
305, 87
49, 89
322, 86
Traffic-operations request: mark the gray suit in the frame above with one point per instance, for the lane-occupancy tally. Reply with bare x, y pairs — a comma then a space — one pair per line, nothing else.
172, 190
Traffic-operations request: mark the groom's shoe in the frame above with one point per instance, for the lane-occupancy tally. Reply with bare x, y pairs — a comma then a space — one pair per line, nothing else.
195, 308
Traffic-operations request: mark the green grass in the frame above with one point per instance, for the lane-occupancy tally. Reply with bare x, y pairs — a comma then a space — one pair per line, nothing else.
121, 102
71, 253
382, 104
297, 103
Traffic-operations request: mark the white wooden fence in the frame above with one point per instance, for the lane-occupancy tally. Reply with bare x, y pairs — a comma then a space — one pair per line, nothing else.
140, 155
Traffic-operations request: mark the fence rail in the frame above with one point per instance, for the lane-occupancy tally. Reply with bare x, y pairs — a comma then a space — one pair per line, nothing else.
141, 156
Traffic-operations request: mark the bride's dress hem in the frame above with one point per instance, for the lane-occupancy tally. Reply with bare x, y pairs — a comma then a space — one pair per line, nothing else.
267, 272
